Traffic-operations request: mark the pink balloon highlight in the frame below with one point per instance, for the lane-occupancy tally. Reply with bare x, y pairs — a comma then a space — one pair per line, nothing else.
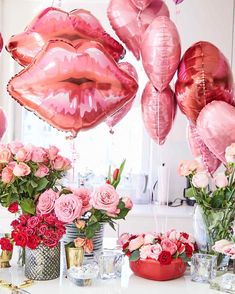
161, 51
141, 4
216, 125
200, 150
130, 23
158, 112
3, 123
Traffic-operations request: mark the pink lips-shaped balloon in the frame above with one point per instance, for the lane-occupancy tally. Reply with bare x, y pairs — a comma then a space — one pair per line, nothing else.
199, 150
73, 88
216, 125
118, 115
130, 23
1, 42
158, 112
161, 51
53, 23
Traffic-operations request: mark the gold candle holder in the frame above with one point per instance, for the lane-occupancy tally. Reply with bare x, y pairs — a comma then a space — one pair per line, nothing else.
5, 258
74, 256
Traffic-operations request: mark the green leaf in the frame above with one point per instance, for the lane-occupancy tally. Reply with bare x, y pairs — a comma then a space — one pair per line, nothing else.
115, 184
91, 230
112, 225
123, 213
135, 255
33, 184
190, 192
28, 205
217, 201
42, 183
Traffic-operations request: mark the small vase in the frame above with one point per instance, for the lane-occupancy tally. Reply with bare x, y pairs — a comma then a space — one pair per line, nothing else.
74, 256
43, 263
5, 258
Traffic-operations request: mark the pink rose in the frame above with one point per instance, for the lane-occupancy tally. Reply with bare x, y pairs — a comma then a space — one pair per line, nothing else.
220, 245
33, 221
79, 242
42, 171
68, 208
148, 238
61, 163
128, 202
114, 214
155, 251
168, 245
11, 165
172, 235
15, 146
42, 229
21, 169
5, 155
23, 154
7, 175
39, 154
84, 195
186, 167
46, 202
200, 180
123, 239
221, 180
145, 251
52, 152
230, 153
105, 198
136, 243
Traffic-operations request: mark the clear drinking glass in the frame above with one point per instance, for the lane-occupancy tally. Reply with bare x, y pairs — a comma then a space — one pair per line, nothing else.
203, 267
110, 263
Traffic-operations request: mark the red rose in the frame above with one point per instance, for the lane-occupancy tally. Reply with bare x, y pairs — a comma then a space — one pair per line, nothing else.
6, 244
29, 231
115, 174
23, 219
20, 239
13, 207
165, 257
50, 243
47, 234
33, 242
108, 181
33, 221
188, 250
51, 220
185, 235
8, 247
42, 229
15, 223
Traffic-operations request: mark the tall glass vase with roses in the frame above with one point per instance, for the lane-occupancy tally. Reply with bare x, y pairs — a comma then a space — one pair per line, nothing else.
216, 203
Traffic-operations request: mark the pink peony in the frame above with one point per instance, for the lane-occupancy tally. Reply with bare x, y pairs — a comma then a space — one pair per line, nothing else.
155, 251
52, 152
15, 146
128, 202
23, 154
168, 245
145, 251
136, 243
39, 155
200, 180
46, 202
105, 198
123, 239
7, 175
68, 208
84, 195
221, 180
5, 155
21, 169
42, 171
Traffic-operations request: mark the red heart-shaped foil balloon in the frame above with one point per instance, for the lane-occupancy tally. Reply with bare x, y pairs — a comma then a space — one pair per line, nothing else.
130, 23
53, 23
73, 88
204, 75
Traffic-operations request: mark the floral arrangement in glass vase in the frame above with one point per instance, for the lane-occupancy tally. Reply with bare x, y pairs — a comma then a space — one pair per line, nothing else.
215, 196
163, 248
26, 172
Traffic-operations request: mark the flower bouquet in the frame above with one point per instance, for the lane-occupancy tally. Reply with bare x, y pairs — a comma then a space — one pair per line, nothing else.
158, 257
217, 203
26, 172
6, 245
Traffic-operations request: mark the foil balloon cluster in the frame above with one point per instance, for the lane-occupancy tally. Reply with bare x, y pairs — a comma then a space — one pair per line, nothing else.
204, 92
71, 77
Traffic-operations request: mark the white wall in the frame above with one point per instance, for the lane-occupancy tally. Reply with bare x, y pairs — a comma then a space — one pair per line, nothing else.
210, 20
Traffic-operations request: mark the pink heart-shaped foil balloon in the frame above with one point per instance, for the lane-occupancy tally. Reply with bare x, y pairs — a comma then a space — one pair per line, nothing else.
204, 75
1, 42
53, 23
161, 51
200, 150
141, 4
158, 112
120, 113
216, 125
178, 1
73, 88
130, 23
3, 123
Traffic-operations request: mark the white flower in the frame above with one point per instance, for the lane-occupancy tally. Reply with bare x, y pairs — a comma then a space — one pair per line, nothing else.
200, 180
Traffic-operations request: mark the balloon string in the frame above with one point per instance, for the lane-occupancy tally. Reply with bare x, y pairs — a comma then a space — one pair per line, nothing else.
233, 32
